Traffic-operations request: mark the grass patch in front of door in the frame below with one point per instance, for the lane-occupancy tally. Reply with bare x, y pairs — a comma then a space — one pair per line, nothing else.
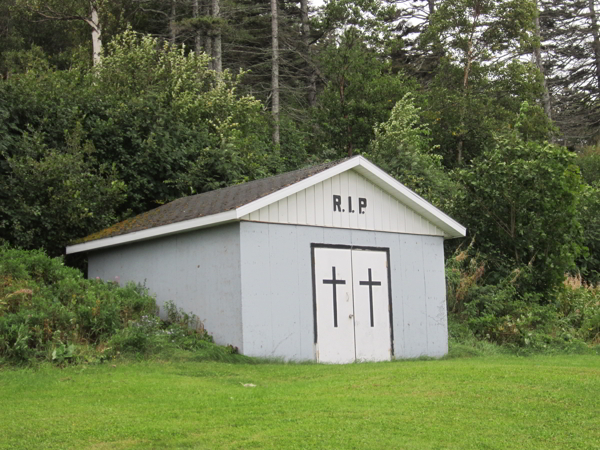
496, 402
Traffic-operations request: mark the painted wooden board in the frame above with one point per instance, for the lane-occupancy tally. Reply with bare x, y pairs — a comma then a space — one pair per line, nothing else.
334, 305
435, 292
371, 306
414, 297
256, 306
283, 266
347, 200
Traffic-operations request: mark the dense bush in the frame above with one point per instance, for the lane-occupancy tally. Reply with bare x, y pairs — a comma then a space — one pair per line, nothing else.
49, 311
579, 304
589, 163
589, 213
149, 333
566, 319
521, 200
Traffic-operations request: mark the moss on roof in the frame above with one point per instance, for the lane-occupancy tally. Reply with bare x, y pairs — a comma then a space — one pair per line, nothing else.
208, 203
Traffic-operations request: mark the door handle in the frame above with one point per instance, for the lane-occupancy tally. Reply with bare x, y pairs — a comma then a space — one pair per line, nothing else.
350, 316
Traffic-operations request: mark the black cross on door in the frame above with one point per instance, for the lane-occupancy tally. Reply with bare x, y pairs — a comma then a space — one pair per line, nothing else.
334, 282
370, 283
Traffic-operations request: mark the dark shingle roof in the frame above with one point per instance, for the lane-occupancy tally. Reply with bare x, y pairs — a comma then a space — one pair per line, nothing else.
208, 203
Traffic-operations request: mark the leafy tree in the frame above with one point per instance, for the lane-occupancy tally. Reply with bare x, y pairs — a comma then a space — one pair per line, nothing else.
520, 199
589, 213
164, 115
589, 217
475, 37
157, 118
360, 92
402, 147
55, 194
494, 98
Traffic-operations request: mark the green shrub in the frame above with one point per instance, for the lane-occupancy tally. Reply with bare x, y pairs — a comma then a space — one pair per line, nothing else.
462, 342
50, 312
45, 307
150, 334
495, 310
141, 336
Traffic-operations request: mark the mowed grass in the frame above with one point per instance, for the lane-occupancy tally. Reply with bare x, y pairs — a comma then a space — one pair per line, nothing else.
498, 402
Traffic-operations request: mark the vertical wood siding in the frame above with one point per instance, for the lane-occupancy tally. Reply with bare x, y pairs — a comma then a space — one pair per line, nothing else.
314, 206
199, 270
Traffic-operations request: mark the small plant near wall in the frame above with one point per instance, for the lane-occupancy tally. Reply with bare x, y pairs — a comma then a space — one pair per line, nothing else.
49, 312
186, 328
150, 333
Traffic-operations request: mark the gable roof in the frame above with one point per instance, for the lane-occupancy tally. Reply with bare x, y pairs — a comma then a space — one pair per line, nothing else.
231, 203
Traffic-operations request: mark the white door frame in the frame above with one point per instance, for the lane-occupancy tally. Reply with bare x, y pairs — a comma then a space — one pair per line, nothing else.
352, 247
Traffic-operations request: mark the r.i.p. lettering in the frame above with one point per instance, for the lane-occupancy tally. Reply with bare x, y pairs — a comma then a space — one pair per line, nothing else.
337, 205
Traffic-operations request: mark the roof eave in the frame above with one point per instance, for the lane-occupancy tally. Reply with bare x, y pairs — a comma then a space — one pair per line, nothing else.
165, 230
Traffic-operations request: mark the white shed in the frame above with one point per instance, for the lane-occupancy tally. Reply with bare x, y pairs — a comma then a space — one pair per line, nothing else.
335, 263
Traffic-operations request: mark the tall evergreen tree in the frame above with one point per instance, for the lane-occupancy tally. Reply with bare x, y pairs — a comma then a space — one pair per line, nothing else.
571, 53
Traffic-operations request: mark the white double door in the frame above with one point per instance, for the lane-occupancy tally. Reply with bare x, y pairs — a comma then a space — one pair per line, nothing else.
352, 305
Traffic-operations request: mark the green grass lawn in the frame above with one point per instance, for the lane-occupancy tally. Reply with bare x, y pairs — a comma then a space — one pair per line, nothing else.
496, 402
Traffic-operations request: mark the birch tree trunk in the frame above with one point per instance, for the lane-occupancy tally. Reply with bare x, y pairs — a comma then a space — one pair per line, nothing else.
198, 35
275, 72
217, 64
96, 34
537, 51
312, 78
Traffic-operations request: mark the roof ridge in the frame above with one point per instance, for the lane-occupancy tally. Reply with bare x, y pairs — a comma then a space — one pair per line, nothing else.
328, 164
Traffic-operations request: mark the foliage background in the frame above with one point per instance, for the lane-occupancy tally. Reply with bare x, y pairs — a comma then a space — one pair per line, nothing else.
466, 103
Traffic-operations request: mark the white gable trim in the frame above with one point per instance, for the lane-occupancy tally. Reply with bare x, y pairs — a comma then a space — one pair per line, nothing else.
165, 230
297, 187
449, 226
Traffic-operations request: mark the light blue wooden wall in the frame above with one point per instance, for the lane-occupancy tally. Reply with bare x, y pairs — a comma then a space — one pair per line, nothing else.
251, 283
198, 270
277, 307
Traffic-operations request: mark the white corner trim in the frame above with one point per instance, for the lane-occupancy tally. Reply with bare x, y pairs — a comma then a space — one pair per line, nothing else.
178, 227
297, 187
